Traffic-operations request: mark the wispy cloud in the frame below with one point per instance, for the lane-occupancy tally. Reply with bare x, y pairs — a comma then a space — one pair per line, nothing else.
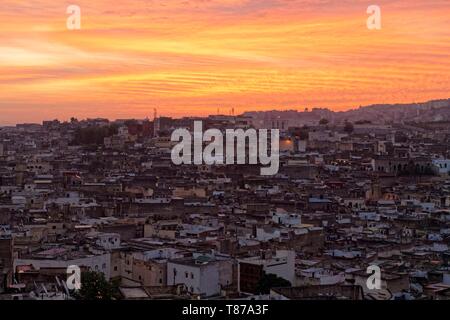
190, 57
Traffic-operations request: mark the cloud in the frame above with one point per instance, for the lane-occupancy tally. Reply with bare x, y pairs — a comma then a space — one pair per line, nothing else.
189, 57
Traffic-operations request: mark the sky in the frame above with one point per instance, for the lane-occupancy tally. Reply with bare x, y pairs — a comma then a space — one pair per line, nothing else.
193, 57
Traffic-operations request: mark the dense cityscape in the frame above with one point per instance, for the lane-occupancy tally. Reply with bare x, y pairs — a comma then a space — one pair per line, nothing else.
353, 190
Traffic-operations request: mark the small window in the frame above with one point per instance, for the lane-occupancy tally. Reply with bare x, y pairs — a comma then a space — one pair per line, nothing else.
186, 274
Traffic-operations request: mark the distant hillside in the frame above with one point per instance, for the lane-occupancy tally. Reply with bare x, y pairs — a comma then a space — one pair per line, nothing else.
437, 110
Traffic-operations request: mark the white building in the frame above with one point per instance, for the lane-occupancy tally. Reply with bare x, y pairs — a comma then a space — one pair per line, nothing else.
202, 274
281, 264
107, 241
442, 166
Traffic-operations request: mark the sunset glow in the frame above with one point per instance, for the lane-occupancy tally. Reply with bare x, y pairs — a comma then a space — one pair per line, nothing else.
195, 56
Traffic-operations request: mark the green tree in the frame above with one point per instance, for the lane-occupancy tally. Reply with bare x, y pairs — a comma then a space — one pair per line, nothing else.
95, 287
269, 281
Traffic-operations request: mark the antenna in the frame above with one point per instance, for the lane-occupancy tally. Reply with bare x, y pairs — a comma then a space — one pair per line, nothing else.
155, 114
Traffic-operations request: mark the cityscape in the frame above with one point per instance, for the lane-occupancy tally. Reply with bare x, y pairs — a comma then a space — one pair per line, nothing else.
224, 158
103, 198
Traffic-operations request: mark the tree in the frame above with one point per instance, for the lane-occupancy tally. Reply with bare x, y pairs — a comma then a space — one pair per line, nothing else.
95, 287
348, 127
269, 281
324, 122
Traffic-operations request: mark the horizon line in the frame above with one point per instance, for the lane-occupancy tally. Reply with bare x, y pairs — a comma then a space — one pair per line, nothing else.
299, 110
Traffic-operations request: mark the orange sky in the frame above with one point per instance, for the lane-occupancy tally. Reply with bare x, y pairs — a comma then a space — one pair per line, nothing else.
190, 57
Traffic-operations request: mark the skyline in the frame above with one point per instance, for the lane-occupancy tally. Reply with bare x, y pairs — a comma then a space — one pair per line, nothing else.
229, 112
192, 57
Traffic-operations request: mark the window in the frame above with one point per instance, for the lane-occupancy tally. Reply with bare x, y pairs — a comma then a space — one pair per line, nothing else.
186, 274
115, 268
192, 275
